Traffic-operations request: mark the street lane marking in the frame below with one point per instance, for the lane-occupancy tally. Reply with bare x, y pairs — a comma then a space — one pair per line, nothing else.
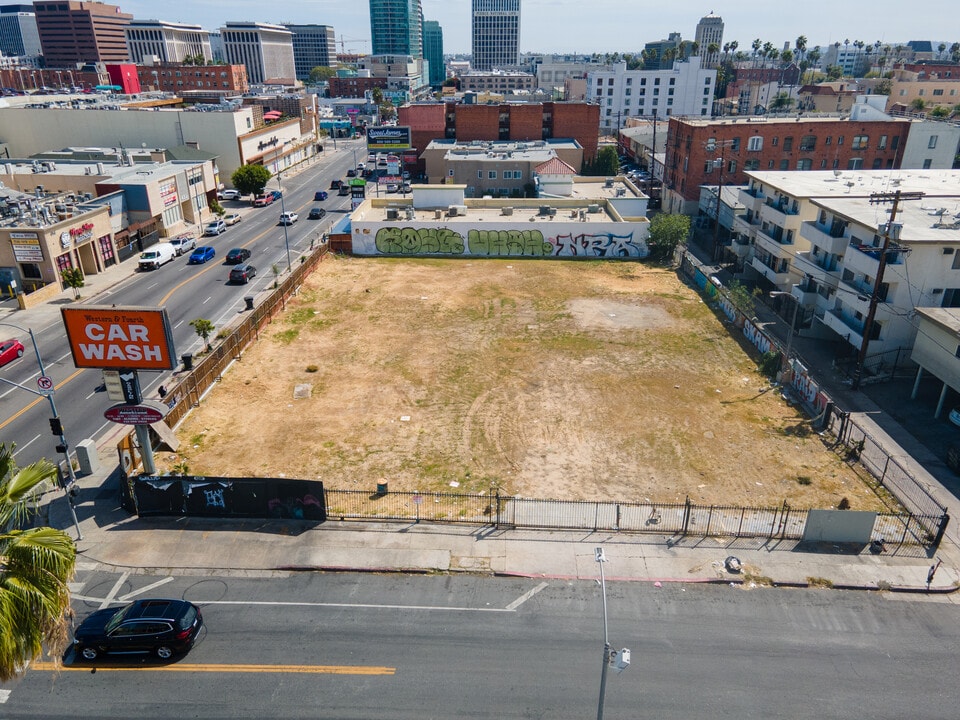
28, 443
113, 591
526, 596
147, 588
37, 401
4, 696
223, 668
293, 603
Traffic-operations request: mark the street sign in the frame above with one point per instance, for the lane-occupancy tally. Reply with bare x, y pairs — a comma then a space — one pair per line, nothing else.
44, 383
111, 381
130, 384
146, 413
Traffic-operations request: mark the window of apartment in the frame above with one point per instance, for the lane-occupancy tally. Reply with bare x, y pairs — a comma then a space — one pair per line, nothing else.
840, 140
610, 81
922, 92
656, 81
751, 165
599, 92
769, 164
808, 143
787, 144
882, 142
669, 102
609, 91
932, 142
894, 142
828, 141
903, 92
627, 92
775, 141
735, 145
643, 81
708, 167
855, 164
656, 91
673, 81
938, 92
860, 142
878, 163
492, 175
732, 166
706, 91
784, 164
805, 164
706, 81
670, 92
479, 174
927, 163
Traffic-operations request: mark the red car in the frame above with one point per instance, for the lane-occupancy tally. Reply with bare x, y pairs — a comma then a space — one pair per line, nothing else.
10, 350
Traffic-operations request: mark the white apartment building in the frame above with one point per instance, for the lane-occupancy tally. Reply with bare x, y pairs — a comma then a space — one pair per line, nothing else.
171, 42
266, 50
820, 236
685, 89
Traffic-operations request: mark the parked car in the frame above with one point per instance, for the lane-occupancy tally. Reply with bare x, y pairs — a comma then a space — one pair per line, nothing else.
263, 200
335, 184
236, 256
201, 255
10, 350
182, 243
242, 274
405, 188
277, 194
159, 626
343, 190
316, 213
156, 256
228, 194
392, 187
351, 173
288, 218
320, 195
215, 228
232, 218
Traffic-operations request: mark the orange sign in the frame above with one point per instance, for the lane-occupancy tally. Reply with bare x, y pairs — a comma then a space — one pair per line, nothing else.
129, 338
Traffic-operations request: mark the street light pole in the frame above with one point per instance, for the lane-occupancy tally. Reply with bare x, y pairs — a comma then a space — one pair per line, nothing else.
711, 145
283, 212
54, 422
601, 558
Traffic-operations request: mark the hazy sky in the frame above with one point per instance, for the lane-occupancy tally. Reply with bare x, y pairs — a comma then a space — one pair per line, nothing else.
598, 25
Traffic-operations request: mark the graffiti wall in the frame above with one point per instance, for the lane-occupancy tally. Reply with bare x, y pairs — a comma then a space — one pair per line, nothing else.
562, 240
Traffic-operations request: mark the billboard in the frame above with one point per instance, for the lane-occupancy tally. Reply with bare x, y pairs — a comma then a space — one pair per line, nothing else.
388, 137
130, 337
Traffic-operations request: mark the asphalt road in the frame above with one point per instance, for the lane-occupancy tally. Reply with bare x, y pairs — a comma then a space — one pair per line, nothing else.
186, 291
370, 646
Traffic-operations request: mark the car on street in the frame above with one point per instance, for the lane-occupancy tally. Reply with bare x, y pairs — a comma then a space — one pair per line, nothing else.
288, 218
228, 194
335, 184
277, 194
215, 228
263, 200
351, 173
162, 627
242, 274
232, 218
10, 350
316, 213
320, 195
201, 255
236, 256
343, 190
182, 243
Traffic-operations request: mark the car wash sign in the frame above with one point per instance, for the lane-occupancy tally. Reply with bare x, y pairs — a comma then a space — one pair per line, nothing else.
130, 338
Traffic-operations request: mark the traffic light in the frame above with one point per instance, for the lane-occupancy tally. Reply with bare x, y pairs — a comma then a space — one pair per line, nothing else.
56, 427
61, 449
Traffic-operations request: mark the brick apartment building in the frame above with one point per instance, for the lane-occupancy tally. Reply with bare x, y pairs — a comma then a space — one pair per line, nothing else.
798, 143
519, 122
179, 78
81, 32
355, 87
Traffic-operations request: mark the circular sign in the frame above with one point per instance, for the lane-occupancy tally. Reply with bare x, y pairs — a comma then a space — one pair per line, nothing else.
44, 383
133, 414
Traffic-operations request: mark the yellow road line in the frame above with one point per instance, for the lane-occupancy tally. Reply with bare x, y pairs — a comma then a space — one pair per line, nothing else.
33, 403
223, 668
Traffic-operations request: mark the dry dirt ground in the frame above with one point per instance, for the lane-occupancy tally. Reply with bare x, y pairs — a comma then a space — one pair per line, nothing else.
552, 379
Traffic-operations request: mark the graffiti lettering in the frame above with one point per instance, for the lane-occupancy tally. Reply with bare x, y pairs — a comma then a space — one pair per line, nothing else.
214, 498
599, 245
419, 241
508, 242
755, 335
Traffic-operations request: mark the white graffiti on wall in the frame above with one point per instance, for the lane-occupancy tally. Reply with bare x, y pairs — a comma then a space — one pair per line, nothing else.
755, 335
215, 498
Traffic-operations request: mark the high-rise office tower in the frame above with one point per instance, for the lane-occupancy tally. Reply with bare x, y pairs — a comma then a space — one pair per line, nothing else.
18, 31
171, 42
496, 34
313, 46
266, 50
80, 32
433, 51
396, 27
709, 31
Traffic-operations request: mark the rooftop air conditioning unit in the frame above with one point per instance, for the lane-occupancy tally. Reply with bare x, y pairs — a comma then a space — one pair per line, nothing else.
437, 214
506, 211
410, 213
608, 183
593, 208
392, 214
544, 210
452, 211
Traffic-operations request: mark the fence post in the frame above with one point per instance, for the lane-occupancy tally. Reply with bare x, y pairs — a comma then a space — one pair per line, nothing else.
944, 521
496, 523
686, 515
784, 518
883, 475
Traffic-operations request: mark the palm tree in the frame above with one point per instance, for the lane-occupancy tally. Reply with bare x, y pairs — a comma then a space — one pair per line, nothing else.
756, 45
940, 48
955, 52
35, 566
766, 52
801, 45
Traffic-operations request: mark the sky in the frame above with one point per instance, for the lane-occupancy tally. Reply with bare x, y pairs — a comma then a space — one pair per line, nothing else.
597, 25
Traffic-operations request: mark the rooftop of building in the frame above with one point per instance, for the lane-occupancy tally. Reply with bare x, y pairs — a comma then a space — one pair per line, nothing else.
860, 183
501, 147
775, 119
928, 219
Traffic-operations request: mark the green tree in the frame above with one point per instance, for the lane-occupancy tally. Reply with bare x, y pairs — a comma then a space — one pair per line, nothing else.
217, 209
834, 72
377, 96
940, 112
606, 164
204, 328
884, 87
742, 297
73, 278
781, 103
35, 566
250, 179
918, 104
321, 74
667, 232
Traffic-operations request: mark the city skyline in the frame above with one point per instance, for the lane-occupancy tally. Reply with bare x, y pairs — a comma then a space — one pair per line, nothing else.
562, 26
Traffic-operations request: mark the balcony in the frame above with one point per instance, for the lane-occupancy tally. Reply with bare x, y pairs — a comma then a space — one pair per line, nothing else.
848, 328
741, 247
805, 294
775, 233
777, 278
782, 205
754, 192
748, 199
817, 235
824, 268
865, 259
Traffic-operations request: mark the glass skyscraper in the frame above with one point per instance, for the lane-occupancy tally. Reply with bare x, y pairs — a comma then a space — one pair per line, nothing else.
396, 27
433, 51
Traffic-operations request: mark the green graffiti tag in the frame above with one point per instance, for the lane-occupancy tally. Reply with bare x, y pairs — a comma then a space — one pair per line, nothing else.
508, 242
419, 241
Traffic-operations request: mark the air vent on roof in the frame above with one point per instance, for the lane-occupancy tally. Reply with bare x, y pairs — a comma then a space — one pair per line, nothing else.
392, 214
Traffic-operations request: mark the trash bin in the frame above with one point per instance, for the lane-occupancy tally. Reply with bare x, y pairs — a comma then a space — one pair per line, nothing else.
382, 488
187, 359
248, 299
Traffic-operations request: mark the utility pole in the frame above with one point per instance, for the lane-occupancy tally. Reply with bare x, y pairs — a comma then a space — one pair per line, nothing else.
875, 199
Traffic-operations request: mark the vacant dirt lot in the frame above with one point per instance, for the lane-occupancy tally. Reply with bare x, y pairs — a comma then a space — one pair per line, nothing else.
585, 380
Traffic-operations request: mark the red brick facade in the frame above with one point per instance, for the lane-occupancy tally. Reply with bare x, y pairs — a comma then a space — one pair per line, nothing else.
179, 78
354, 87
769, 144
521, 122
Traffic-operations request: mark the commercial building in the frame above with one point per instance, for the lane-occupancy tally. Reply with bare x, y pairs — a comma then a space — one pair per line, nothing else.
313, 46
19, 36
395, 27
266, 51
169, 42
685, 89
498, 81
354, 85
710, 32
178, 78
433, 52
519, 122
661, 54
77, 31
496, 34
820, 236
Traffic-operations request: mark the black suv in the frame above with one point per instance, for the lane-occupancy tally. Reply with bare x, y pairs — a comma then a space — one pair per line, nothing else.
237, 255
316, 213
242, 274
162, 627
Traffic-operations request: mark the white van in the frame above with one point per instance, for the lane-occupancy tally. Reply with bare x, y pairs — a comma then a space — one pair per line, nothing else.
156, 256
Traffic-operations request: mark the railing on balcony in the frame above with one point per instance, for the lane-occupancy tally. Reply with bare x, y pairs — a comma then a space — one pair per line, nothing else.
854, 325
894, 256
782, 205
775, 233
755, 192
